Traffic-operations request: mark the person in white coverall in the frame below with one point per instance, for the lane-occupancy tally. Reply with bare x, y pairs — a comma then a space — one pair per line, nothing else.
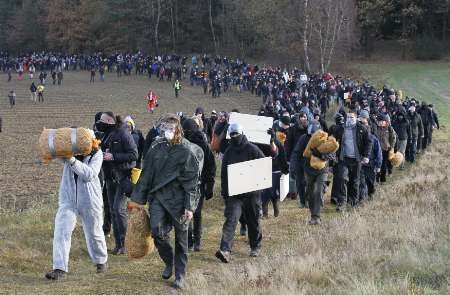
80, 195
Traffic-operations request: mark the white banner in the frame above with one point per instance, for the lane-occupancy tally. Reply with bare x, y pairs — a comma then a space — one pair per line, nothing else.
255, 127
284, 186
249, 176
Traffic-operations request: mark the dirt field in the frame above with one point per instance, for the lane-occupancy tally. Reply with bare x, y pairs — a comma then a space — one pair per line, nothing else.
27, 183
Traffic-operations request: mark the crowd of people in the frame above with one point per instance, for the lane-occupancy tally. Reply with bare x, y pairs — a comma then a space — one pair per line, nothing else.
178, 154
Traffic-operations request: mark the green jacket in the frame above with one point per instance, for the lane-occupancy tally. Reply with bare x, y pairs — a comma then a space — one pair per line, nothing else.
171, 174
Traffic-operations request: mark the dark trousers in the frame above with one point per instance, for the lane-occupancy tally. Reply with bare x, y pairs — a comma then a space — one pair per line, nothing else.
250, 206
195, 227
315, 188
107, 212
161, 223
347, 181
271, 194
118, 209
367, 182
411, 150
386, 167
300, 182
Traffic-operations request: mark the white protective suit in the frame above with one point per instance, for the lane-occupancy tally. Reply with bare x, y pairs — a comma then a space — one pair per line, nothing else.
83, 199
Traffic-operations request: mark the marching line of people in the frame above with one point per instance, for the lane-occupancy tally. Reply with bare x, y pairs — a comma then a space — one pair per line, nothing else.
179, 167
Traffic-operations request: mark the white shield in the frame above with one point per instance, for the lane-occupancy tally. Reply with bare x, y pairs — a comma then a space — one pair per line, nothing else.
255, 127
249, 176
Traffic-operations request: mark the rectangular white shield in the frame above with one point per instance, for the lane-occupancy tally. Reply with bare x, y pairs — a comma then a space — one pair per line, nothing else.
249, 176
284, 186
255, 127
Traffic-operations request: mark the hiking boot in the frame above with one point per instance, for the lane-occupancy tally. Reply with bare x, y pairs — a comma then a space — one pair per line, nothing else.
254, 252
167, 273
314, 221
55, 274
179, 283
101, 268
223, 256
243, 230
118, 251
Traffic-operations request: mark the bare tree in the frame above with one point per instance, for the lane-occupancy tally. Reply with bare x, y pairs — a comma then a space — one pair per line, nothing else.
211, 24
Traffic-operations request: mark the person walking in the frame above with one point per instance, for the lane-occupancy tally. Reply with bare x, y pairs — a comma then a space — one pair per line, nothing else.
247, 204
169, 183
120, 156
354, 148
80, 195
12, 98
177, 87
152, 101
33, 90
193, 133
40, 91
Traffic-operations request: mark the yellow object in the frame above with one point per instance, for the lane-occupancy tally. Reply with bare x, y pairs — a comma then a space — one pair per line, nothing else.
135, 174
66, 142
317, 139
324, 144
317, 163
139, 241
281, 137
329, 146
397, 159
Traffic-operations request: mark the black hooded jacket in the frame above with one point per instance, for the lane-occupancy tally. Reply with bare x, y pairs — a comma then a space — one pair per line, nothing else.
244, 151
194, 135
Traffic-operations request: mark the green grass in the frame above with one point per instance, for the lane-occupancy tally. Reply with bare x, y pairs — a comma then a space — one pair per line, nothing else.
428, 82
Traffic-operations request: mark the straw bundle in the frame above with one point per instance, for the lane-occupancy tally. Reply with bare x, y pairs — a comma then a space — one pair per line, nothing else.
396, 159
139, 242
66, 142
324, 144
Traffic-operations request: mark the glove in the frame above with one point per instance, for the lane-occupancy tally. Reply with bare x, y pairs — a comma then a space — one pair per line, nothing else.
209, 190
377, 170
365, 161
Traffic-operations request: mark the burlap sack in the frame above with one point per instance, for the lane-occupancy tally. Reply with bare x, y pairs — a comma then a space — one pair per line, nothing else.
329, 146
66, 142
317, 163
317, 139
139, 242
396, 159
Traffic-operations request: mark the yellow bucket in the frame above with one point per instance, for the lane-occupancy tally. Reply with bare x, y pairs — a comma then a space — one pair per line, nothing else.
135, 174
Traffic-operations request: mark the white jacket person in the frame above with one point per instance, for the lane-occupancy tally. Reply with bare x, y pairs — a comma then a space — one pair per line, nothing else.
80, 194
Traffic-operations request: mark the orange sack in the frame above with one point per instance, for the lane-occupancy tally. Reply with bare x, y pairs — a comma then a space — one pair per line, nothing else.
66, 142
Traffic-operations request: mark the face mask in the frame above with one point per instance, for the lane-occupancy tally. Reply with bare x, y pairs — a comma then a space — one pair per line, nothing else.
103, 127
236, 140
351, 121
169, 134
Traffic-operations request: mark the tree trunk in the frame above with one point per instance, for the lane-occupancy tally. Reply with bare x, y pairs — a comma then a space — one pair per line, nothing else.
305, 36
158, 17
172, 26
212, 26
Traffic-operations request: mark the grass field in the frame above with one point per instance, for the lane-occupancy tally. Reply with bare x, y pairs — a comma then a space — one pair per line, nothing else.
398, 244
